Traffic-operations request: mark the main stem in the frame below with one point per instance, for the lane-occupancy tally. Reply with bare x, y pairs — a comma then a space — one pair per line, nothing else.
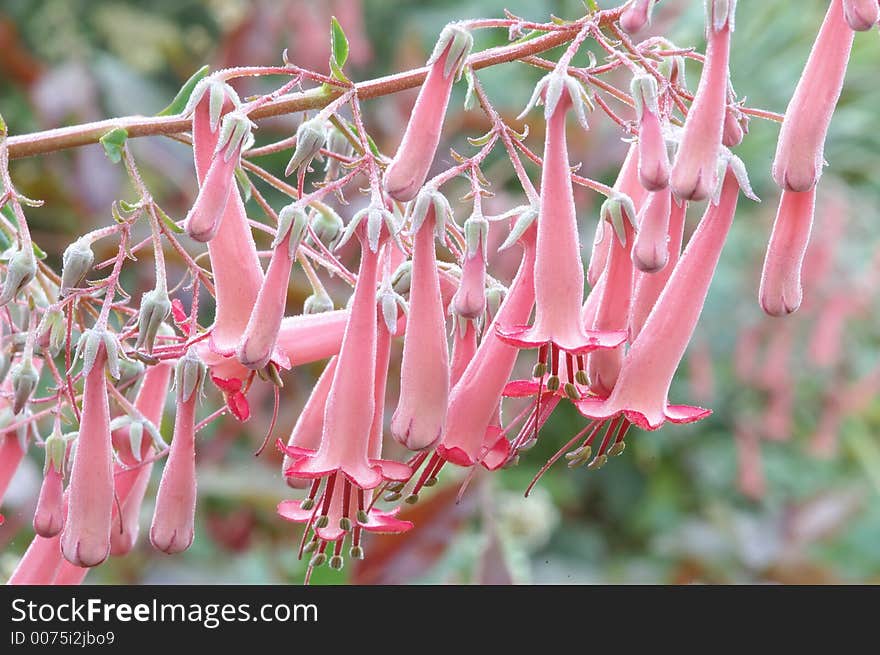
27, 145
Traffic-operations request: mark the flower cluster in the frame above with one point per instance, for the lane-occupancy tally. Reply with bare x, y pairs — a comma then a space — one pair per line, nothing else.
606, 335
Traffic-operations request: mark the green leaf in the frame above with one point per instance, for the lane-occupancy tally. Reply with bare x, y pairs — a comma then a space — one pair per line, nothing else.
171, 225
243, 182
179, 103
338, 44
373, 147
113, 143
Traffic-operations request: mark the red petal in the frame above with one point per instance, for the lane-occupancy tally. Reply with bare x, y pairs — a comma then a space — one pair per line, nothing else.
228, 385
238, 404
499, 449
520, 389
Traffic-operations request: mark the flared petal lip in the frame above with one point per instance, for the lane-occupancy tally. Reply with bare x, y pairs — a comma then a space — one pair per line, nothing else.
370, 477
378, 521
495, 451
526, 337
599, 409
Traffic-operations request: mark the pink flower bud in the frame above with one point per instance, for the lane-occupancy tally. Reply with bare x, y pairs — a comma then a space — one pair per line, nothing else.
203, 220
799, 151
636, 15
647, 287
420, 417
861, 15
735, 127
132, 475
653, 156
407, 171
49, 515
469, 300
781, 291
259, 338
694, 173
85, 540
174, 518
651, 248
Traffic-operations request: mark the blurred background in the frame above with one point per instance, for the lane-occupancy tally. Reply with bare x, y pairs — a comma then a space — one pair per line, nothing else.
779, 485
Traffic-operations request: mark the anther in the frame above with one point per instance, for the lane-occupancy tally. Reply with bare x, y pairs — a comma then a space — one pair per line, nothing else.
617, 449
307, 504
598, 463
356, 552
345, 524
322, 522
317, 560
553, 383
336, 562
571, 391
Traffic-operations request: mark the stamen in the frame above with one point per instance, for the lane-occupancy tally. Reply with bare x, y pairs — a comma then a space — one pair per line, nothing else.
345, 521
324, 519
336, 561
557, 455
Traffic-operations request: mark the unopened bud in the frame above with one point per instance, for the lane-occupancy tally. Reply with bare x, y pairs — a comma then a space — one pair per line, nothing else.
310, 138
327, 225
155, 308
188, 375
617, 209
19, 272
76, 262
293, 221
24, 377
402, 278
54, 327
460, 42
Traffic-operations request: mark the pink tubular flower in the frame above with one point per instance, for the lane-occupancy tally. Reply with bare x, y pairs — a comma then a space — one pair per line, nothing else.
234, 262
861, 15
694, 173
612, 311
653, 156
781, 292
420, 417
306, 433
350, 404
640, 394
85, 540
474, 399
559, 273
132, 476
647, 287
407, 171
351, 440
799, 151
258, 341
174, 517
636, 15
